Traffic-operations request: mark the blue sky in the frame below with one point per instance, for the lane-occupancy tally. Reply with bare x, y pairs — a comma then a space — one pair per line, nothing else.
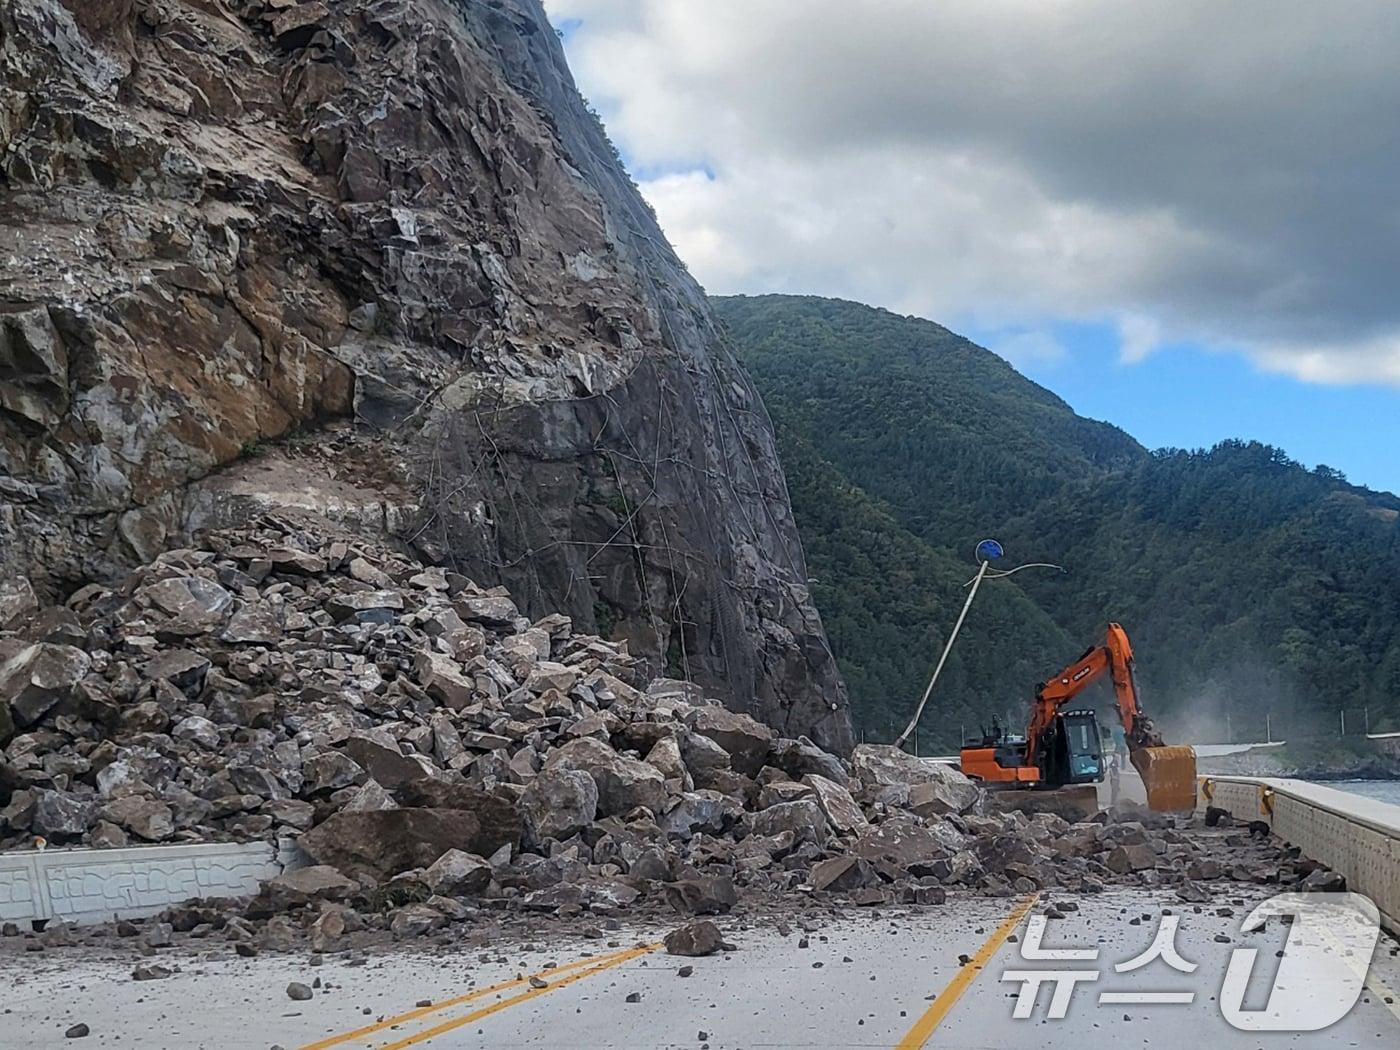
1185, 396
1196, 240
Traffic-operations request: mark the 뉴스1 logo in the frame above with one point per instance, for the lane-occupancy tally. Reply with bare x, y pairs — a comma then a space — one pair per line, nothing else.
1319, 976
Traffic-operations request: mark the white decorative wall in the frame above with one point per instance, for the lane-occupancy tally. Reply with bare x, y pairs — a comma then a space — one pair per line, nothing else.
96, 885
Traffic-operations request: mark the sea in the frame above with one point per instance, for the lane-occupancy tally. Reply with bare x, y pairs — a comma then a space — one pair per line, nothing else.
1384, 790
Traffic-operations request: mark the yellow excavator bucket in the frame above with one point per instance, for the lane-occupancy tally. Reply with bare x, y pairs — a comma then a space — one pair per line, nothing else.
1169, 774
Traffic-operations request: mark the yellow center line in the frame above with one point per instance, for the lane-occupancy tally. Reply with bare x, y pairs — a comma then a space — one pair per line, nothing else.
917, 1036
469, 997
533, 993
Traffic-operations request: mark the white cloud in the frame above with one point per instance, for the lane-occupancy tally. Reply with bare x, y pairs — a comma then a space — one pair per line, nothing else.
1194, 171
1138, 336
1369, 361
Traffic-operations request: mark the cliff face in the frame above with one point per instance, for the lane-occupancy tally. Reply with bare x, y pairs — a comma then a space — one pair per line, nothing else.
390, 232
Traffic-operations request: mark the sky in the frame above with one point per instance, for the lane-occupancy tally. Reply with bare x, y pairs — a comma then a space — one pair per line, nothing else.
1182, 217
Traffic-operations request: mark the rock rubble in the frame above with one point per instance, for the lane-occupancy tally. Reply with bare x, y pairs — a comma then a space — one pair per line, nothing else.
434, 753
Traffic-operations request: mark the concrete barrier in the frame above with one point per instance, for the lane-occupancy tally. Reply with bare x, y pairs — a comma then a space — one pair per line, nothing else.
96, 885
1357, 837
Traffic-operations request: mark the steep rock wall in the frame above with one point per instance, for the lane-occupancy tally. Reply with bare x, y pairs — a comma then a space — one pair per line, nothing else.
223, 223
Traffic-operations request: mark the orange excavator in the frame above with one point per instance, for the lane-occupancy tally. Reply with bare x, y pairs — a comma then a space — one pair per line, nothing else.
1063, 747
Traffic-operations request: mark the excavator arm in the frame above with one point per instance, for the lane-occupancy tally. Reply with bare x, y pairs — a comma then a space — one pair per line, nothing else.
1168, 773
1114, 658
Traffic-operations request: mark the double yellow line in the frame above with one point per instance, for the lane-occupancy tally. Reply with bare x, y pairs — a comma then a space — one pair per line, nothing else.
574, 971
923, 1028
569, 973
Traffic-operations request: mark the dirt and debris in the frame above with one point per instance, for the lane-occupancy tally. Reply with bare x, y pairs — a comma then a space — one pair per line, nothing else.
444, 763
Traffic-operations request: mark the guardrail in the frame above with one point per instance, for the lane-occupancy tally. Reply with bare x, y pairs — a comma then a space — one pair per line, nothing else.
1354, 836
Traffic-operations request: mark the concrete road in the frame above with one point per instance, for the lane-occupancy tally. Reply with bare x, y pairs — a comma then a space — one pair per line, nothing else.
888, 978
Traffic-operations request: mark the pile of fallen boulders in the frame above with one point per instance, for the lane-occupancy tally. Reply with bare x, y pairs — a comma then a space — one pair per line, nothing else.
435, 753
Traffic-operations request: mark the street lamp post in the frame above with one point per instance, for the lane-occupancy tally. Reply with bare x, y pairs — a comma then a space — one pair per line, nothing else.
987, 552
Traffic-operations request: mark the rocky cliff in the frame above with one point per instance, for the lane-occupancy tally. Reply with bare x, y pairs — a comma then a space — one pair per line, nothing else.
376, 259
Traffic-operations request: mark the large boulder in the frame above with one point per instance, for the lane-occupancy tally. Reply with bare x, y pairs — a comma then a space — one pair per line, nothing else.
457, 874
492, 611
836, 802
797, 758
747, 741
803, 818
840, 874
443, 679
700, 811
905, 841
38, 677
184, 669
328, 770
192, 604
547, 675
696, 939
701, 896
388, 765
558, 803
17, 601
1130, 858
383, 843
58, 814
623, 783
499, 816
198, 730
704, 759
953, 793
665, 757
1009, 850
146, 818
301, 886
253, 623
368, 797
777, 791
882, 766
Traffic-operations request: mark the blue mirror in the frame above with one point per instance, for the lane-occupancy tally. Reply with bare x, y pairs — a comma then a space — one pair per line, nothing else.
989, 550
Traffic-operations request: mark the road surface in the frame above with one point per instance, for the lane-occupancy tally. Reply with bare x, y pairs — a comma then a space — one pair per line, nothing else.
886, 978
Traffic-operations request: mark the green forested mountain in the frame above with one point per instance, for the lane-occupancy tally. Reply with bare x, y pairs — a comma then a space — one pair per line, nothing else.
1251, 586
888, 599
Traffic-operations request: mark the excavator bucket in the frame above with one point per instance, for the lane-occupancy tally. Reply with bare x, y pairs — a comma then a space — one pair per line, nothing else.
1169, 774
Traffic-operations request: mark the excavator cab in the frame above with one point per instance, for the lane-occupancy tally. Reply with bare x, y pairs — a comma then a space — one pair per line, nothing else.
1073, 751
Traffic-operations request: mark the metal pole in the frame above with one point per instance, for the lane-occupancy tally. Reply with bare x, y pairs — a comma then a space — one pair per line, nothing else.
1268, 730
1343, 713
947, 648
916, 741
1229, 729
